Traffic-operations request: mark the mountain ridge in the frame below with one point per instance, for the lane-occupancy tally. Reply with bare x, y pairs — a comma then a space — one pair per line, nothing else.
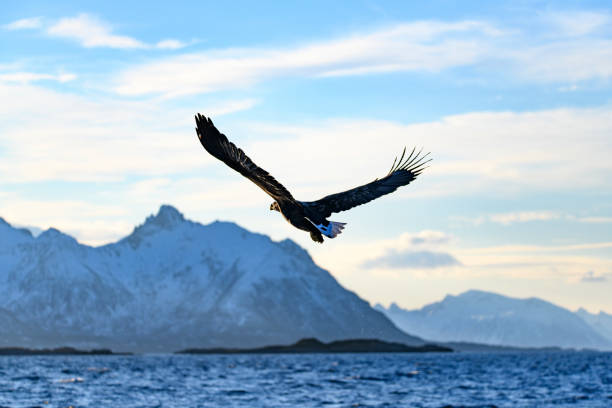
172, 284
489, 318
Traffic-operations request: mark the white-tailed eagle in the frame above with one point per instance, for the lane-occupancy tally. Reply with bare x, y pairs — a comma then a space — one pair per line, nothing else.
308, 216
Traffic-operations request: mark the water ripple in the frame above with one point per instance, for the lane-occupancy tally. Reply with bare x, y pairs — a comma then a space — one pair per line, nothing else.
324, 380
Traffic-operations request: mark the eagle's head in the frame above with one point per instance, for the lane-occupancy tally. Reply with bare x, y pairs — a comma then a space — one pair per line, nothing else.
274, 207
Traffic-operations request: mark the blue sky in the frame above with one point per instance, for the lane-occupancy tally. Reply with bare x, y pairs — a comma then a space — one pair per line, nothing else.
512, 99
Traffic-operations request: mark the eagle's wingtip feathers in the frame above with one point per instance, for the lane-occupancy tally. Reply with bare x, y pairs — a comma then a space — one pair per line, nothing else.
414, 163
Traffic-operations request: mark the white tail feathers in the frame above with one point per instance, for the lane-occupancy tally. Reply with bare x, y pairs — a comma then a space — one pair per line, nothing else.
332, 229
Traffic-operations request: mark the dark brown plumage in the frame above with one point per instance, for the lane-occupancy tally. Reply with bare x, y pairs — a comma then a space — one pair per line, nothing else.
308, 215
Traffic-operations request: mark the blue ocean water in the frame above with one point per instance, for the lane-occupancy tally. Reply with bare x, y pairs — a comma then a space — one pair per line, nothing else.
313, 380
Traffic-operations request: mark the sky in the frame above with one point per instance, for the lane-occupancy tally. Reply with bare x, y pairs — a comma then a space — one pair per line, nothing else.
512, 98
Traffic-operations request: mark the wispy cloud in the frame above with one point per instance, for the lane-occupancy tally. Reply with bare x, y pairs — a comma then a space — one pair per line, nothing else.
561, 263
579, 50
24, 24
410, 259
420, 46
475, 152
562, 46
523, 216
170, 44
26, 77
577, 23
596, 220
101, 139
471, 150
529, 216
90, 31
426, 238
565, 60
532, 262
225, 107
414, 254
522, 249
591, 277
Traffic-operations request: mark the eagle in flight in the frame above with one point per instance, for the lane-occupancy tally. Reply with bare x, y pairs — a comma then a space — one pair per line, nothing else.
310, 216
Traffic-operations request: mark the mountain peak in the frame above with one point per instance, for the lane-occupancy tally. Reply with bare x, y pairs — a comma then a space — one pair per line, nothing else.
9, 233
167, 217
55, 235
477, 292
394, 307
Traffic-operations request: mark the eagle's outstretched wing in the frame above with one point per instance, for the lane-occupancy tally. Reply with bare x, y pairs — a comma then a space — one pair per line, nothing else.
402, 172
216, 144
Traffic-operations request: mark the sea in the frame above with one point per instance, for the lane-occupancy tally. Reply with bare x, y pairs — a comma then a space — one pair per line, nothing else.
526, 379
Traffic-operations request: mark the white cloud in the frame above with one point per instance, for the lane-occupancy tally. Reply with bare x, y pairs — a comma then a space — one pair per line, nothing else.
595, 220
89, 31
564, 61
569, 88
389, 259
225, 107
579, 50
411, 259
422, 250
26, 77
419, 46
418, 251
24, 23
110, 139
502, 152
80, 139
591, 277
562, 46
524, 216
170, 44
522, 249
577, 23
532, 262
426, 238
528, 216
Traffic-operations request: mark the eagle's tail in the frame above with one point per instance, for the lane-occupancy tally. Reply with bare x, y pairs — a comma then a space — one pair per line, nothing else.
332, 229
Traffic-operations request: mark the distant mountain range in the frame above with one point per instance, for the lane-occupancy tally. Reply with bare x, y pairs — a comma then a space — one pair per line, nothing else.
484, 317
173, 284
601, 322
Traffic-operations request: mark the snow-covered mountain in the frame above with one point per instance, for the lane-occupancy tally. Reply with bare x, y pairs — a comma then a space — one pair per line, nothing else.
601, 322
173, 284
484, 317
